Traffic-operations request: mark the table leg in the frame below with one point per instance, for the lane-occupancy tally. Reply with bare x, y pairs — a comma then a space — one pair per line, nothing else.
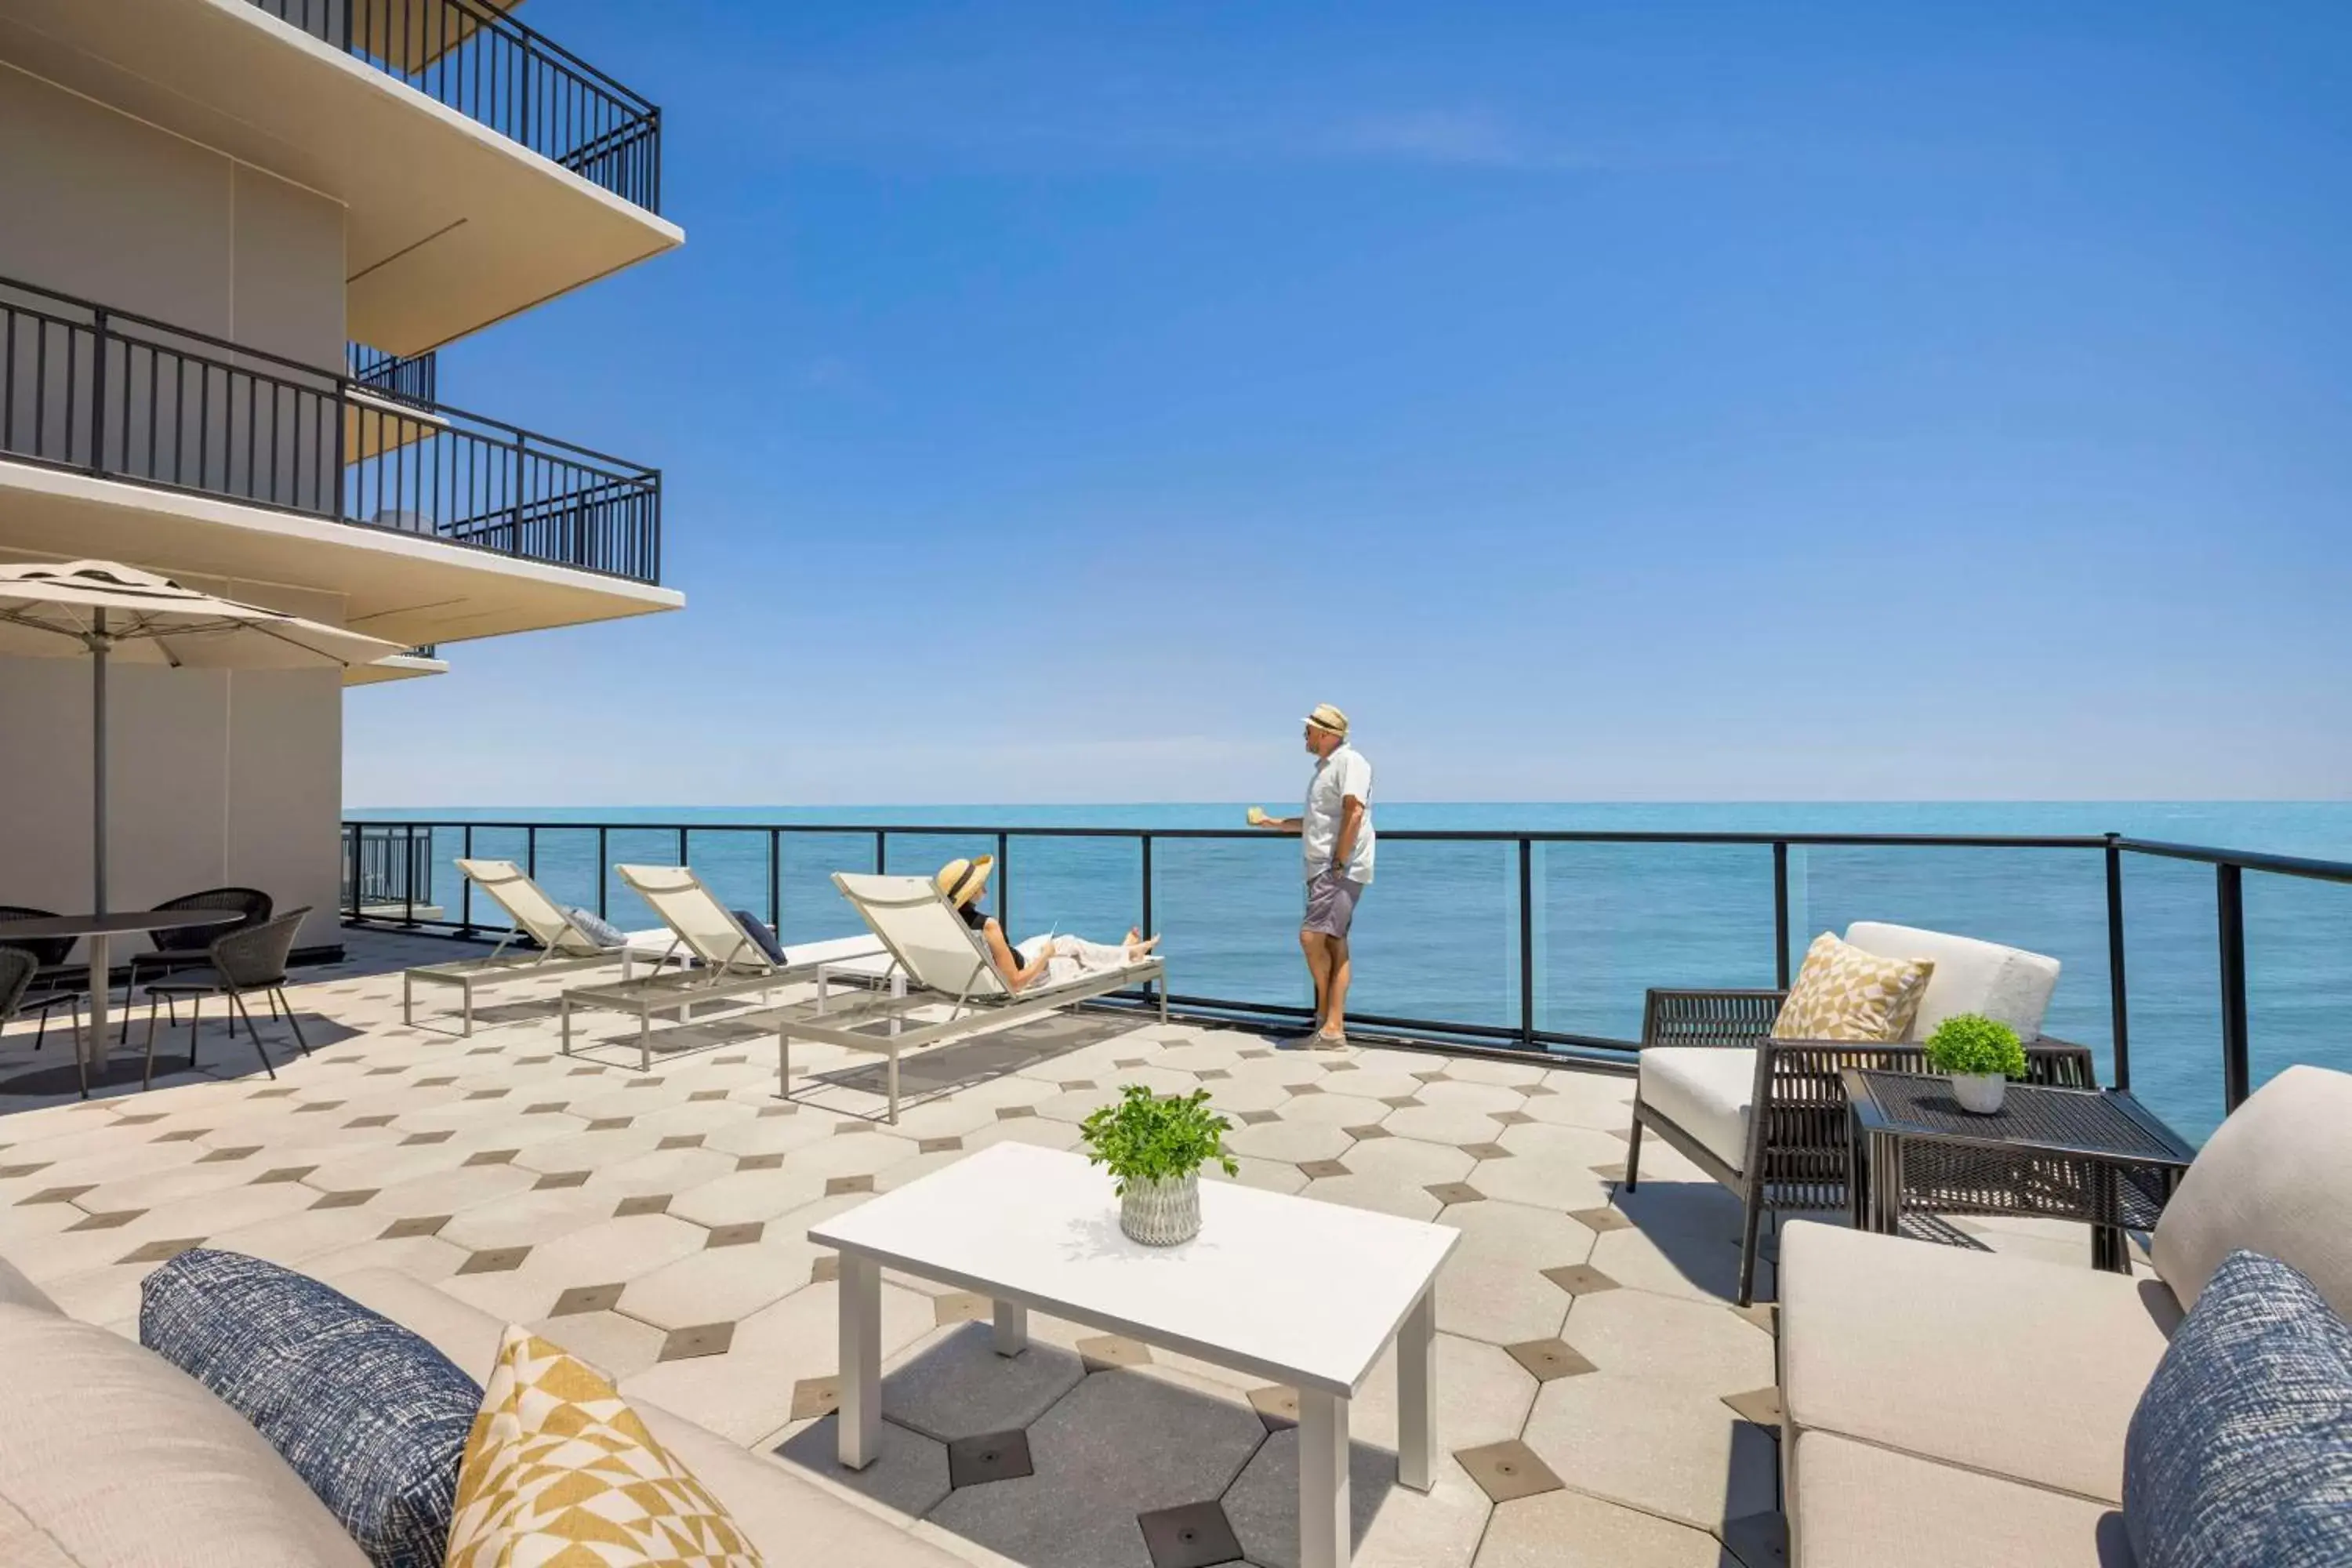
1325, 1538
99, 1045
1417, 1393
861, 1362
2109, 1251
1011, 1328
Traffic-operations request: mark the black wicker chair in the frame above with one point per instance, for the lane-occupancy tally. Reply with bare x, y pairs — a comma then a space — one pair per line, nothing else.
190, 947
243, 963
54, 983
1798, 1153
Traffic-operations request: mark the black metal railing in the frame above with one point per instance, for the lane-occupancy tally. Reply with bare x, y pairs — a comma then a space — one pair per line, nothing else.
470, 56
118, 395
385, 872
756, 855
409, 378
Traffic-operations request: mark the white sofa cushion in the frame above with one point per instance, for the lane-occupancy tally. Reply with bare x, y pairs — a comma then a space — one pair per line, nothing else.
2006, 984
788, 1516
2010, 1366
2276, 1178
1857, 1506
1705, 1091
116, 1458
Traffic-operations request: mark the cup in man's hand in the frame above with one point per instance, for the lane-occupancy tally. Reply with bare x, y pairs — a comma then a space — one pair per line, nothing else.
1256, 815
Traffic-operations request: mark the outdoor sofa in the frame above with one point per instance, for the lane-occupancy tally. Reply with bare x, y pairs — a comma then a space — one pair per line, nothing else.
112, 1457
935, 960
1942, 1406
1708, 1063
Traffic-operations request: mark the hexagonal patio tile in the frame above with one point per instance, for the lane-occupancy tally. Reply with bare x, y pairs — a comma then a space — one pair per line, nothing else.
953, 1385
1569, 1530
1409, 1162
1670, 1451
1393, 1528
1370, 1192
1296, 1142
1499, 1300
1119, 1445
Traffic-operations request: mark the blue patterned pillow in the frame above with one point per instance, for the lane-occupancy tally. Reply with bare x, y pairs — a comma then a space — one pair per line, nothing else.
2241, 1451
370, 1416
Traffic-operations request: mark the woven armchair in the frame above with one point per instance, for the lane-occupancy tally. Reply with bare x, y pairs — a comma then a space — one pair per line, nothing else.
52, 983
190, 947
1797, 1153
248, 962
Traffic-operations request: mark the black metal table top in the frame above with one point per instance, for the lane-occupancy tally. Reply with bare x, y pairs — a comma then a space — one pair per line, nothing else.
113, 925
2104, 1122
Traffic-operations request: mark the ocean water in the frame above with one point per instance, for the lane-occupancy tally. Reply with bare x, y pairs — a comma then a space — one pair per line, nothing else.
1437, 936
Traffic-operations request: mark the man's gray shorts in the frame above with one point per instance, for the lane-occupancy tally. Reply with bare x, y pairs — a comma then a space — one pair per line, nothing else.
1332, 904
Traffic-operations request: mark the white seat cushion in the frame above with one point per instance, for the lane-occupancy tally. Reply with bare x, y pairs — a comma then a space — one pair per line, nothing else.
2009, 1365
1856, 1506
1705, 1091
2006, 983
2276, 1178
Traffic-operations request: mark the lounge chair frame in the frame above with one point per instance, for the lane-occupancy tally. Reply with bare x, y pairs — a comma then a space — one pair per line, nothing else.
731, 965
976, 996
562, 946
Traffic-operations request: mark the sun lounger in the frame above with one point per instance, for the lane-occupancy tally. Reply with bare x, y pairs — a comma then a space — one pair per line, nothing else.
558, 946
935, 959
727, 965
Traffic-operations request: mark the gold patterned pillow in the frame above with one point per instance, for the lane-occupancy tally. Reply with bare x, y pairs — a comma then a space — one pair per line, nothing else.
1846, 994
558, 1472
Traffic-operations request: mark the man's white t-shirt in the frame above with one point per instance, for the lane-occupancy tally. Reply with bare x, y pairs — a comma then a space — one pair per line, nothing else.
1342, 774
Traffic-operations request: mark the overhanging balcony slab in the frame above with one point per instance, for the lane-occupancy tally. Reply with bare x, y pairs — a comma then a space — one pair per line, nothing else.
410, 588
399, 667
451, 226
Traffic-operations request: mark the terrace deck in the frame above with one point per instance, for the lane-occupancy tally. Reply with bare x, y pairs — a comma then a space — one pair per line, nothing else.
1599, 1399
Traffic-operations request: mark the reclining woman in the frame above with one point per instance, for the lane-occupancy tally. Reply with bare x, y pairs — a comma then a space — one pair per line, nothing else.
1051, 960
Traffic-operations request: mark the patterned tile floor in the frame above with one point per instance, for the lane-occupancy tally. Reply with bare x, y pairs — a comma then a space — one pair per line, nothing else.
1600, 1399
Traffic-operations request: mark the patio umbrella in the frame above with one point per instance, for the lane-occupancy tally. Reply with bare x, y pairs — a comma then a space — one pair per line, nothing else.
111, 612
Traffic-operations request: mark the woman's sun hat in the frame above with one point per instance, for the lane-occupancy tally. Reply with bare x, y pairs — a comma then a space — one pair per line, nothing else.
1330, 719
961, 882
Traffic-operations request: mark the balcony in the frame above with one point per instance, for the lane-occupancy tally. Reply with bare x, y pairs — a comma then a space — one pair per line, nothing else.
108, 396
480, 170
472, 57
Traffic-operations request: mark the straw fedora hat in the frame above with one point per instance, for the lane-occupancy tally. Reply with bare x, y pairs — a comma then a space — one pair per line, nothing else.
1330, 719
961, 882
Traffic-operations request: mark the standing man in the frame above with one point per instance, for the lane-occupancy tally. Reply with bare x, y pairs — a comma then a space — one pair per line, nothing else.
1337, 830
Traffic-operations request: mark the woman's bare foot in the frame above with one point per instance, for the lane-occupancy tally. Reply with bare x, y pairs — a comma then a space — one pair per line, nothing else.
1138, 944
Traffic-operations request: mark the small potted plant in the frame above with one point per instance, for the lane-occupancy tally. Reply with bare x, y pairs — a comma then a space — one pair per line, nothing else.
1154, 1150
1980, 1055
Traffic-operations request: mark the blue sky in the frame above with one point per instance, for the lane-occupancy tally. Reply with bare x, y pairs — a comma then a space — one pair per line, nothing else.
1598, 401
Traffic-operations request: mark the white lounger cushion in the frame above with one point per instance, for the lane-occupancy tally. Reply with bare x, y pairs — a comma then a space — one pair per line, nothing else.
703, 925
938, 952
527, 904
2006, 984
1705, 1091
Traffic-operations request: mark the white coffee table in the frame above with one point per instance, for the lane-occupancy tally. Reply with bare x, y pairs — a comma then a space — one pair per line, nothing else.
1294, 1290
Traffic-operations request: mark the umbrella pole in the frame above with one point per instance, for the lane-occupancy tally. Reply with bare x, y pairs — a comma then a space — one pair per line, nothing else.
98, 764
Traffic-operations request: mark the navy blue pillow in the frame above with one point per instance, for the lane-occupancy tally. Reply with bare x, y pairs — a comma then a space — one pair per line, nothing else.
2241, 1451
371, 1417
757, 929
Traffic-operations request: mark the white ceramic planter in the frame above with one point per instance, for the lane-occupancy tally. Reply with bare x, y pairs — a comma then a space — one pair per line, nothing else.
1161, 1213
1978, 1091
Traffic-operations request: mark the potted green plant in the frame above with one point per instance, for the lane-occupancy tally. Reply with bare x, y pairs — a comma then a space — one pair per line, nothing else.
1980, 1055
1154, 1150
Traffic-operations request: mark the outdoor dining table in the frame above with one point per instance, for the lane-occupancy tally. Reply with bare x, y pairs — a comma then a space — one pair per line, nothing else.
100, 930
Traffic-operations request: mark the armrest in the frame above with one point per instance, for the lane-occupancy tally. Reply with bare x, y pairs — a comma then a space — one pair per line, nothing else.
1732, 1018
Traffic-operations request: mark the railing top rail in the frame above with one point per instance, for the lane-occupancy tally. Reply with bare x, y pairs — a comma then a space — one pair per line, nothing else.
1424, 834
2248, 859
2244, 859
337, 381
